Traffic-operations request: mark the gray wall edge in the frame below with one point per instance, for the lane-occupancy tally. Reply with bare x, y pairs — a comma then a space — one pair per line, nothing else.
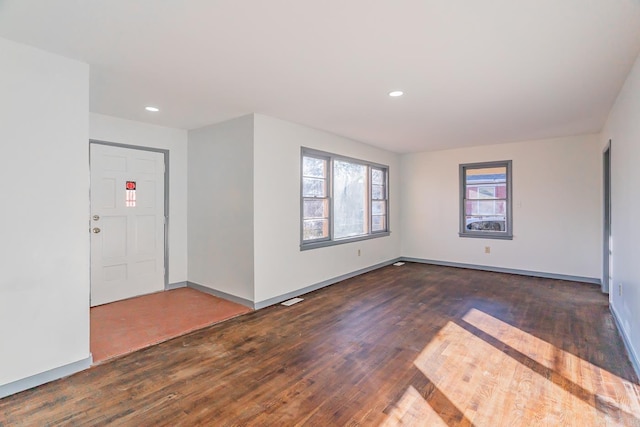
220, 294
45, 377
315, 287
627, 342
593, 280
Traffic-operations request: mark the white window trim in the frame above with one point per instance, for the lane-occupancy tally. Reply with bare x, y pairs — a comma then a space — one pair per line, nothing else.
331, 240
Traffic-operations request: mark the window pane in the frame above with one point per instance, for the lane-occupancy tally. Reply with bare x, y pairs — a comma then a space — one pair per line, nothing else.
316, 208
314, 167
486, 207
378, 208
315, 229
494, 223
486, 192
379, 223
494, 191
486, 183
377, 176
350, 199
313, 187
377, 192
491, 174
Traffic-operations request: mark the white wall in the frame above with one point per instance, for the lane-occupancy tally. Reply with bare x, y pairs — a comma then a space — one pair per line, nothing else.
556, 207
221, 207
280, 266
44, 183
112, 129
623, 128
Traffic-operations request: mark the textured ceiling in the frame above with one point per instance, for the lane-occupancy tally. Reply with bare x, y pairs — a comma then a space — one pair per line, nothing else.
472, 72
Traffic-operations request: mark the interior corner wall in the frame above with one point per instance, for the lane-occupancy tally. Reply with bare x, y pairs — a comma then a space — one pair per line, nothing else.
557, 208
120, 131
220, 207
280, 266
44, 182
623, 129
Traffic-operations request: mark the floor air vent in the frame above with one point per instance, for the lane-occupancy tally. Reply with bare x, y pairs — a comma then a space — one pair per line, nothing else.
292, 301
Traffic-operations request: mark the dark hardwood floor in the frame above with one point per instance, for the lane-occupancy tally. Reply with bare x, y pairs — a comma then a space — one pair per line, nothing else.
410, 345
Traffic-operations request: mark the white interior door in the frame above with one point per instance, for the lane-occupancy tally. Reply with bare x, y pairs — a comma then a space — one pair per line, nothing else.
127, 223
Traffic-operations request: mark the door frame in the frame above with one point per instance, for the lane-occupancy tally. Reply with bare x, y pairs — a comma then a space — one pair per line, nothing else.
606, 218
166, 193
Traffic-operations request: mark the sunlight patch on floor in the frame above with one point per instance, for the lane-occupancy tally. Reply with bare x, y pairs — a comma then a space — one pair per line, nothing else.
610, 388
413, 410
490, 387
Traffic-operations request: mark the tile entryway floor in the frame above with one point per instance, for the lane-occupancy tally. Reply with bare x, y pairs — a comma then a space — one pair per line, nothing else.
125, 326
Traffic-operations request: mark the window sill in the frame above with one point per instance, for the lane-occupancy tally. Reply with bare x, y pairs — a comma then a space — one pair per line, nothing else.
487, 236
325, 243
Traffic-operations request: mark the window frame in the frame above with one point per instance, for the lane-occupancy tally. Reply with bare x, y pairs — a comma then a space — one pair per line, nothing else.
385, 199
331, 240
328, 185
487, 234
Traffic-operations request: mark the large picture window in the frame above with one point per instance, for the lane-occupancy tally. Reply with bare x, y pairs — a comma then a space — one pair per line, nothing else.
342, 199
485, 200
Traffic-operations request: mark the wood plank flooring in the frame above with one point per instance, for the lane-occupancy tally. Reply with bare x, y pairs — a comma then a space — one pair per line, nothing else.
411, 345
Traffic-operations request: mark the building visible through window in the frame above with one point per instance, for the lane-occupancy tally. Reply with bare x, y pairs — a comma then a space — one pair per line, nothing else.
486, 200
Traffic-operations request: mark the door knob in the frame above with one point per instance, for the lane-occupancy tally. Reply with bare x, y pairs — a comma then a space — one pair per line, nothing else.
95, 230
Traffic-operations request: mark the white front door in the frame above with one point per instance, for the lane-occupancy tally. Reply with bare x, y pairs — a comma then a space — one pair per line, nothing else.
127, 223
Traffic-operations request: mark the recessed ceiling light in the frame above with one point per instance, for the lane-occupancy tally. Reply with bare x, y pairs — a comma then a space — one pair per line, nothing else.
396, 93
153, 109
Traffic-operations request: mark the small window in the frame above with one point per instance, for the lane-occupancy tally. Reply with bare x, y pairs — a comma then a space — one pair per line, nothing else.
343, 199
315, 198
130, 194
485, 200
379, 202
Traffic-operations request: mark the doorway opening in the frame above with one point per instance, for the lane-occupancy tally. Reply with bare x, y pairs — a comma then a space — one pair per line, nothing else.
129, 221
607, 259
129, 231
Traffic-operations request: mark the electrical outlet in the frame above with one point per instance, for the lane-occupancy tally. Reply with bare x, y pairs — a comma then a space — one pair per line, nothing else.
619, 289
358, 252
487, 249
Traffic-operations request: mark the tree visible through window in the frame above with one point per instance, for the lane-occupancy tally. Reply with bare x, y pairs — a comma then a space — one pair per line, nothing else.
342, 199
315, 198
378, 199
350, 201
485, 190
